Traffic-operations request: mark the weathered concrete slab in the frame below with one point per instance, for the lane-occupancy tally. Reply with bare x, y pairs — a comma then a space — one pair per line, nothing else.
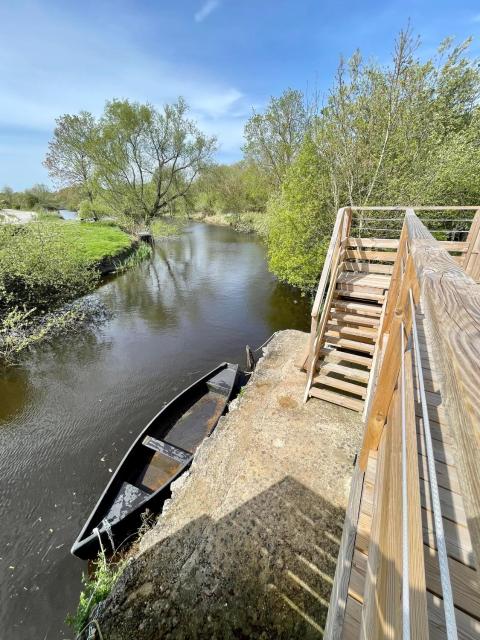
247, 546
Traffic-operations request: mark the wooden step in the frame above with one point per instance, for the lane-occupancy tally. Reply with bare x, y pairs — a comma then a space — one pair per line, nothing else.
354, 318
349, 372
374, 310
342, 385
337, 398
359, 295
372, 280
364, 332
338, 356
378, 243
331, 334
368, 267
362, 254
344, 343
360, 288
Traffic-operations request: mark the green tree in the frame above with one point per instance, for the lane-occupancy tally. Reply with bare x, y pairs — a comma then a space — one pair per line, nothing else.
298, 230
6, 197
69, 158
273, 138
404, 134
146, 159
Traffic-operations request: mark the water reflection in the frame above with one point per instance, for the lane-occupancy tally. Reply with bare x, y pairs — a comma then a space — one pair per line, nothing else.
68, 414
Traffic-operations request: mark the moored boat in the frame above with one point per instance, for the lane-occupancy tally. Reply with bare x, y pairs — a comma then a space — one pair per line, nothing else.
159, 455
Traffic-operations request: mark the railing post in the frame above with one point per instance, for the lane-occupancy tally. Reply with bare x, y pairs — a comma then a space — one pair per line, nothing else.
471, 261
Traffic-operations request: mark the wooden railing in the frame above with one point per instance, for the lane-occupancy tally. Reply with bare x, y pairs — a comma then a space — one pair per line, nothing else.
427, 282
451, 306
325, 291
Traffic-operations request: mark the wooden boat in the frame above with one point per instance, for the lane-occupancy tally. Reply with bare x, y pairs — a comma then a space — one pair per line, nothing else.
162, 451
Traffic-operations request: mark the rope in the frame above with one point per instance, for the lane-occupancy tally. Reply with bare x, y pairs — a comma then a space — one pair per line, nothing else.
108, 528
87, 626
405, 549
266, 342
448, 605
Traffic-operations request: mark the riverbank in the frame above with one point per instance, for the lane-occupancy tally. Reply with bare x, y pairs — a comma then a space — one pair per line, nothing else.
247, 545
249, 222
46, 265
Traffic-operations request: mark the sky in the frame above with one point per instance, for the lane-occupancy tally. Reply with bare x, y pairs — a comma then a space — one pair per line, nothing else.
225, 57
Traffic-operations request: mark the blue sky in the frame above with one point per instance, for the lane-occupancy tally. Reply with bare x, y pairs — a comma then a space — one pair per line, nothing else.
224, 56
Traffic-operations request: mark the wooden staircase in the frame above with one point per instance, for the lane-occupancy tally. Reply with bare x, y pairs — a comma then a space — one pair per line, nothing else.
342, 352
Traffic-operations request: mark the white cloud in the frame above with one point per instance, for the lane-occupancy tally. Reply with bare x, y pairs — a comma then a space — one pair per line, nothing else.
81, 71
206, 9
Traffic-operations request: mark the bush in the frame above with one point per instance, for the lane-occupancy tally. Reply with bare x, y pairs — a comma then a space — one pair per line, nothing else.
298, 231
40, 269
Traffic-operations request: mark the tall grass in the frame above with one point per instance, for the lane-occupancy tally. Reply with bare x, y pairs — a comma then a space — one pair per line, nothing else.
96, 588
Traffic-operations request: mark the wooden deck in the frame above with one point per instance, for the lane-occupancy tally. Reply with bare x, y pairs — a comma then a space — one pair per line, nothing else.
398, 336
465, 579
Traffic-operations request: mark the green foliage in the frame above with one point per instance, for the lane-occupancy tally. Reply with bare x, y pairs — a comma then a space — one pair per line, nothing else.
403, 134
163, 228
38, 197
45, 264
141, 253
298, 231
19, 329
46, 214
96, 589
272, 138
39, 268
234, 188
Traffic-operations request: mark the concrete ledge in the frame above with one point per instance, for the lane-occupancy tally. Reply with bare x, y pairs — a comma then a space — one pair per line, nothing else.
247, 546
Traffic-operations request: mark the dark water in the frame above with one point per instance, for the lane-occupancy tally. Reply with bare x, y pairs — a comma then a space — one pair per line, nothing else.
70, 411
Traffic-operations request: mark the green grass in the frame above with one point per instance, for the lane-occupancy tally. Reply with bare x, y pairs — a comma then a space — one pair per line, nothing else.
247, 222
93, 241
96, 589
46, 263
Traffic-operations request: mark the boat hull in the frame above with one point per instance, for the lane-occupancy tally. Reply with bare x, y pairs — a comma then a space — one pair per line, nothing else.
167, 444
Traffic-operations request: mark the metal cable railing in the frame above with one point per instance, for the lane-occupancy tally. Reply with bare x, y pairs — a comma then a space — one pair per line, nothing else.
448, 604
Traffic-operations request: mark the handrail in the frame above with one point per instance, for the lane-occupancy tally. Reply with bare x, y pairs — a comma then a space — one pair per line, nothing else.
451, 301
332, 261
405, 533
328, 262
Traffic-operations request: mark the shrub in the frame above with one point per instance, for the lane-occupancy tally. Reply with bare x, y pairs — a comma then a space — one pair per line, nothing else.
40, 269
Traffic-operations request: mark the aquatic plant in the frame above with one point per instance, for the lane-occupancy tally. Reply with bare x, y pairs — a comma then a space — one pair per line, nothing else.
96, 589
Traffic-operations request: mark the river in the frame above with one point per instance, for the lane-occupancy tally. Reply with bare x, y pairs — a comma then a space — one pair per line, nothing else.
69, 412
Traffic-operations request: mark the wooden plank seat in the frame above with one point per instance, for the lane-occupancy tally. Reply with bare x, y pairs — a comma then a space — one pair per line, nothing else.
166, 449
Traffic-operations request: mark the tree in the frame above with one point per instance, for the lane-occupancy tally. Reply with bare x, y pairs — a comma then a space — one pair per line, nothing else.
146, 159
273, 138
231, 188
298, 229
7, 196
69, 160
404, 134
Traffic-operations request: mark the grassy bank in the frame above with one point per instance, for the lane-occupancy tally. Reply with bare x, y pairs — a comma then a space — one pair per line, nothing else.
248, 222
44, 265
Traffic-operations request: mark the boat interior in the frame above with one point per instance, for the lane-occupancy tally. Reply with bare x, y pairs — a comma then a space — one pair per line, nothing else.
170, 443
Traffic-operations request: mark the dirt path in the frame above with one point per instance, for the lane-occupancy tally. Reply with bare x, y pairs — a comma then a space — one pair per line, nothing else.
14, 216
247, 546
